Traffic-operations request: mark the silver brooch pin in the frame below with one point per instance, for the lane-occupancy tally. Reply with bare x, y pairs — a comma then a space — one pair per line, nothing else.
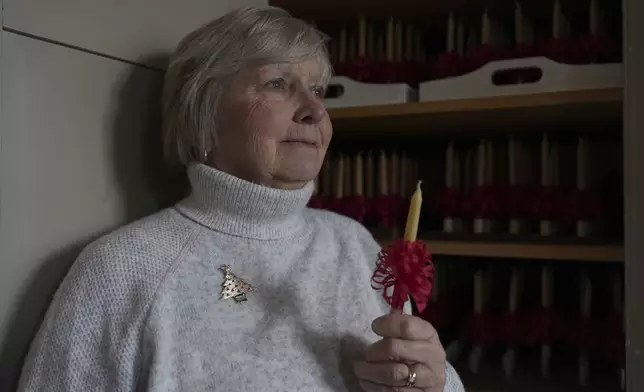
234, 287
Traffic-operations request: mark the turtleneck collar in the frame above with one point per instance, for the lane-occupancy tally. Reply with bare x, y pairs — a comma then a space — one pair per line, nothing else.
234, 206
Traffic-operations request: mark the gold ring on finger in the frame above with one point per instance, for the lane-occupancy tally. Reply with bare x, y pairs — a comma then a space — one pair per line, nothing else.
411, 377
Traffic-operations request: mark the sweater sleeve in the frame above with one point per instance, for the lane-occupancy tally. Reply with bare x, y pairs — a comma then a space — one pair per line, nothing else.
89, 338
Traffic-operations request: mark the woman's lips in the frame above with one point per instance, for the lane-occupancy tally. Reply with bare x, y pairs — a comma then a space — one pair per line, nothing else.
308, 143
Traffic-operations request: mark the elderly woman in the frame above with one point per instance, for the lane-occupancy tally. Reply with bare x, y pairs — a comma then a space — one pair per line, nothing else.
152, 307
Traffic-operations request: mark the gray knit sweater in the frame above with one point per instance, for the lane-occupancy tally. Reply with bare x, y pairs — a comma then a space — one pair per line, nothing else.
140, 308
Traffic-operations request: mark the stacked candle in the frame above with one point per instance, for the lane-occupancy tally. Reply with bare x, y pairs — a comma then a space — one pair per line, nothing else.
395, 51
391, 55
373, 193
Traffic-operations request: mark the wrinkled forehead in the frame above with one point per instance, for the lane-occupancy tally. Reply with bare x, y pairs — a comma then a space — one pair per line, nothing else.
311, 71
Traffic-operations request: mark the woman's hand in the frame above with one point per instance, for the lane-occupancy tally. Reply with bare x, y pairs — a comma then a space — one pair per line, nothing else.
409, 345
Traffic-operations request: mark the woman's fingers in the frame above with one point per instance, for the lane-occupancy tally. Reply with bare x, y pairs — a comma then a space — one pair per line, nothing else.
401, 326
396, 374
408, 351
367, 386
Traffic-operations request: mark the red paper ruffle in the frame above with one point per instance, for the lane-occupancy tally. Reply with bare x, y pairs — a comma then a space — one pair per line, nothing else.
448, 202
539, 328
336, 205
389, 210
565, 51
521, 51
612, 332
319, 202
355, 207
482, 202
363, 69
389, 72
367, 70
482, 55
583, 205
437, 313
580, 333
446, 65
548, 204
408, 268
481, 329
598, 49
511, 328
516, 202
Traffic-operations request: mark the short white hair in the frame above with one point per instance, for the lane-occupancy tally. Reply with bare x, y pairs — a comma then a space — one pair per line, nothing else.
205, 60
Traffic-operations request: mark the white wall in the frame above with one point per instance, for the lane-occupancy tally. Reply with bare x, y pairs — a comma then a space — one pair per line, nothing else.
74, 139
79, 139
124, 29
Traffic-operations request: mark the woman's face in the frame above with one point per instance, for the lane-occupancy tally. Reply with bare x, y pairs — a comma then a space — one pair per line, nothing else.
274, 129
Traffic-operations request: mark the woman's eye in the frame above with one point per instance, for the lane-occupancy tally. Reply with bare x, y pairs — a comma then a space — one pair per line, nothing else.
319, 92
278, 84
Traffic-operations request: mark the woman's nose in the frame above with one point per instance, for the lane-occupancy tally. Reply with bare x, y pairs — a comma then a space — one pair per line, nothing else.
310, 111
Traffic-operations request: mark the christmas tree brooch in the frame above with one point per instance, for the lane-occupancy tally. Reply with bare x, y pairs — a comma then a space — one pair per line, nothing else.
234, 287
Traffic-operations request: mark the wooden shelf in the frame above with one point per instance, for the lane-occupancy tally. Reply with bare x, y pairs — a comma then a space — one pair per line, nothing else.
609, 253
599, 109
530, 251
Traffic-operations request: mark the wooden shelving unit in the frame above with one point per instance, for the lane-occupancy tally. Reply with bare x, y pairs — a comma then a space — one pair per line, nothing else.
524, 250
593, 109
598, 253
423, 128
527, 380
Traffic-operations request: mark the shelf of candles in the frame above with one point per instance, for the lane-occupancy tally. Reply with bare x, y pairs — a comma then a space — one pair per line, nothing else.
525, 326
527, 379
509, 63
599, 110
541, 198
415, 10
330, 11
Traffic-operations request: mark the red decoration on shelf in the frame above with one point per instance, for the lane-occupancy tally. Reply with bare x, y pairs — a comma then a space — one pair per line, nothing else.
583, 205
539, 328
319, 202
446, 65
522, 51
510, 328
563, 51
580, 333
482, 55
400, 209
614, 339
516, 201
366, 70
390, 72
383, 210
481, 329
413, 72
598, 49
437, 314
407, 267
448, 202
482, 203
363, 69
355, 207
336, 205
548, 203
